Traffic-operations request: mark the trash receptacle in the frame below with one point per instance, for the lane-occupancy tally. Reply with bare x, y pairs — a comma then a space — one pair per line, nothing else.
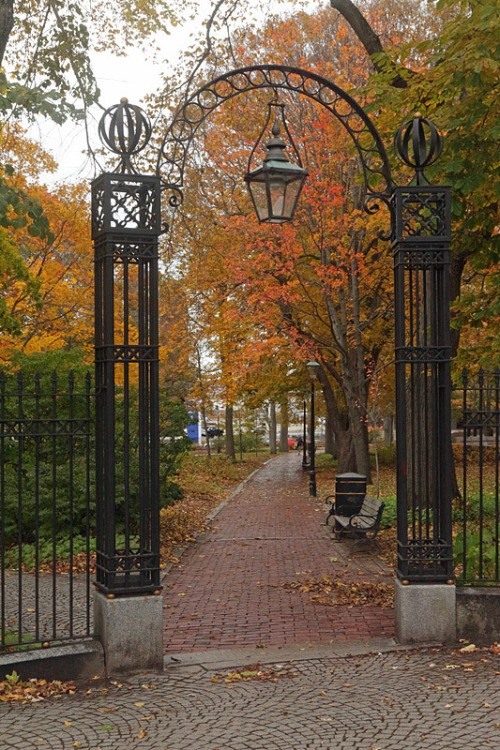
350, 491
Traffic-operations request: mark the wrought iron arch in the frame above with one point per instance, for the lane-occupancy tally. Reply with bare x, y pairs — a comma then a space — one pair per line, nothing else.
192, 113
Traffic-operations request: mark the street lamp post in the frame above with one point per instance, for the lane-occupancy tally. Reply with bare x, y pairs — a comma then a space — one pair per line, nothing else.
241, 442
312, 371
304, 432
218, 427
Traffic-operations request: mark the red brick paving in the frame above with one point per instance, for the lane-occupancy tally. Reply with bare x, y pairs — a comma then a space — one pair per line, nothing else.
228, 589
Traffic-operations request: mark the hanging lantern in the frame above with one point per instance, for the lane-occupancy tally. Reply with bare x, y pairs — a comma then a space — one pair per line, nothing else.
275, 187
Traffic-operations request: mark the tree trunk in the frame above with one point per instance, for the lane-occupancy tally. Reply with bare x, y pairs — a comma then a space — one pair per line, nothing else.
389, 430
272, 429
339, 424
6, 24
284, 425
330, 444
229, 432
204, 423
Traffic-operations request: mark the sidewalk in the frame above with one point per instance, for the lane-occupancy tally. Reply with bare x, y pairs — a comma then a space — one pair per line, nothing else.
232, 588
421, 700
254, 665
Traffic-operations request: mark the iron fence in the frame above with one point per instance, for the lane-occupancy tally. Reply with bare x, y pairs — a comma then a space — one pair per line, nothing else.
46, 514
476, 406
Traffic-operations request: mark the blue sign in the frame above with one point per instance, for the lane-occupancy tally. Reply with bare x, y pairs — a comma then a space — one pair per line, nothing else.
193, 430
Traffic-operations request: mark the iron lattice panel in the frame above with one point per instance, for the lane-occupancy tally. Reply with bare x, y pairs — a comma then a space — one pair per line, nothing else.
126, 252
36, 428
125, 204
422, 560
128, 571
422, 354
422, 214
130, 353
421, 258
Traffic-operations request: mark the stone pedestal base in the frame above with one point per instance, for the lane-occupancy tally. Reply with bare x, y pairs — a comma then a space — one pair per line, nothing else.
425, 613
131, 632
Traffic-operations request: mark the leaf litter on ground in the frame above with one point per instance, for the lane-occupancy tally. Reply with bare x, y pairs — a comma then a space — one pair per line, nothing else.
333, 593
254, 672
13, 689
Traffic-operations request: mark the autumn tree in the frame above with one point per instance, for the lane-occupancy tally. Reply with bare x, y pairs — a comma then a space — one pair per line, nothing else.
449, 74
51, 306
322, 285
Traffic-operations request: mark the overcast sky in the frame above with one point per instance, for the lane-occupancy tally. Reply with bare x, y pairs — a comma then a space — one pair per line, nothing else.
133, 77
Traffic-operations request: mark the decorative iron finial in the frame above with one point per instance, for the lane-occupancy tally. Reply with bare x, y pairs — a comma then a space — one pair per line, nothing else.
125, 129
419, 144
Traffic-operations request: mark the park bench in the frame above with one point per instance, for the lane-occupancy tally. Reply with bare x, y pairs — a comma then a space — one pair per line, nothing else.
363, 524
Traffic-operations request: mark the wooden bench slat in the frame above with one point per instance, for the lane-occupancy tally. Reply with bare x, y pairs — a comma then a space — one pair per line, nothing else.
366, 520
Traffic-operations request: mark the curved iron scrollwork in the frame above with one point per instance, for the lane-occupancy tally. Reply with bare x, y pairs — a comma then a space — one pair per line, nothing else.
189, 117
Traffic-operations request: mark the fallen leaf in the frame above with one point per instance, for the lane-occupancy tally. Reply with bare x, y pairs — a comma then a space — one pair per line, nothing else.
468, 649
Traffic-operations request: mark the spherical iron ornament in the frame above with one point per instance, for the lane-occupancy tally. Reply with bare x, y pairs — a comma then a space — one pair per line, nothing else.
125, 129
419, 144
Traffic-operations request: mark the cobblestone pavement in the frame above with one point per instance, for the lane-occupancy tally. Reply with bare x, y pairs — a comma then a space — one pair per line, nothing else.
52, 608
228, 589
388, 701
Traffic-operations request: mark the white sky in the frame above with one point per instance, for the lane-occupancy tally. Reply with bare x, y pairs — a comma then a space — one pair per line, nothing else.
133, 77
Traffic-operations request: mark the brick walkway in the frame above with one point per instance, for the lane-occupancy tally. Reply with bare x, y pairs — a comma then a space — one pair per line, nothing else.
228, 589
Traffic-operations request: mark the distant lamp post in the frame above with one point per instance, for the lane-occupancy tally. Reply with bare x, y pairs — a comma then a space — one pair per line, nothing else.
312, 371
218, 427
305, 465
275, 186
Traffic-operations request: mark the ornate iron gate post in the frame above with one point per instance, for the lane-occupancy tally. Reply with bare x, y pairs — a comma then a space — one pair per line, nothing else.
421, 240
125, 229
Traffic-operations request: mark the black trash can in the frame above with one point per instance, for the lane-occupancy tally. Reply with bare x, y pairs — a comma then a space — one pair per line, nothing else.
350, 491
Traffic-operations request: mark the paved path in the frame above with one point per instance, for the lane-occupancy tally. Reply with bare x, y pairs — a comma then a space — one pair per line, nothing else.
344, 685
228, 589
391, 701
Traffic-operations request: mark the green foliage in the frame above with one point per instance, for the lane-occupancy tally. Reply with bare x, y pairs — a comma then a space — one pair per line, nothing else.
390, 515
456, 85
248, 441
325, 461
386, 455
481, 559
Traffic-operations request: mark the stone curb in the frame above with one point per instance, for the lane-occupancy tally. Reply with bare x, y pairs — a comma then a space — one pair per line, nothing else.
74, 660
238, 657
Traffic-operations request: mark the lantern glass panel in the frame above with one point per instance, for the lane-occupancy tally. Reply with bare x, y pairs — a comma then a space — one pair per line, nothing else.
258, 191
277, 193
292, 196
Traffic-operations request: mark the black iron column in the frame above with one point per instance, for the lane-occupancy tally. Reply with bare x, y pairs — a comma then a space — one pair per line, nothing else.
312, 371
125, 230
422, 235
304, 430
312, 450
